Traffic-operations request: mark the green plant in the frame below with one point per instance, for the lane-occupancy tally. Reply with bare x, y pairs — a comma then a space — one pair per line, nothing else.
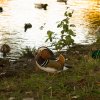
28, 52
64, 38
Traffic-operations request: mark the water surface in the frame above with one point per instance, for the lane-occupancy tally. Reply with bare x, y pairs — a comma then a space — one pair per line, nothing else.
16, 13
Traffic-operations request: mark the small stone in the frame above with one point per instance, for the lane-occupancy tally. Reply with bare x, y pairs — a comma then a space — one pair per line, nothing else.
28, 99
11, 98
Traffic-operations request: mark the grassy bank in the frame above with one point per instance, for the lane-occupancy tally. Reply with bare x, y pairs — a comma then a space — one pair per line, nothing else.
81, 82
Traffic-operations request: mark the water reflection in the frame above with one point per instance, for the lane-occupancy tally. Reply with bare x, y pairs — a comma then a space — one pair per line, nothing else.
18, 12
3, 1
86, 17
93, 19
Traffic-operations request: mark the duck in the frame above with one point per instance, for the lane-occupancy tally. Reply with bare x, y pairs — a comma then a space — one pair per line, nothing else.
27, 26
41, 6
46, 62
5, 49
65, 1
1, 9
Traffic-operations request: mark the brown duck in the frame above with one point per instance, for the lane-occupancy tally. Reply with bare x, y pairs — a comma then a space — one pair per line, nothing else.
45, 61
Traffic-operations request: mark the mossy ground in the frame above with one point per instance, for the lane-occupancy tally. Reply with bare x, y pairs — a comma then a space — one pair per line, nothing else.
81, 82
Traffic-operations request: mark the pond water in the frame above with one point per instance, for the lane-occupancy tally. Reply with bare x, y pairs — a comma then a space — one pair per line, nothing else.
16, 13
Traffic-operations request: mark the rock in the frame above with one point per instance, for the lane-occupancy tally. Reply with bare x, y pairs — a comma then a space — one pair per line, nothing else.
11, 98
28, 98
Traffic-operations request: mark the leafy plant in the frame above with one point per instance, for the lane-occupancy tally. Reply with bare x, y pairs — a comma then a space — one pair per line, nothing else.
64, 38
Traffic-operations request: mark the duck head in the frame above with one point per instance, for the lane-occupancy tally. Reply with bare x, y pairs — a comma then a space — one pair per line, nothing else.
44, 6
27, 26
44, 53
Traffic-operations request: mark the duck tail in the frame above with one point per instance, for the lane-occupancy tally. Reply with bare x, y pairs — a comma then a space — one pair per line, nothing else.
61, 59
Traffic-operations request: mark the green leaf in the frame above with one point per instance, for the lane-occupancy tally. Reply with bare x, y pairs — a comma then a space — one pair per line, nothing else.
65, 14
70, 14
50, 33
65, 27
66, 20
62, 32
46, 40
71, 32
60, 24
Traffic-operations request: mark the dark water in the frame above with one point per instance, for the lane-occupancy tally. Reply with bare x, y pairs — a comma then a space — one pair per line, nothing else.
16, 13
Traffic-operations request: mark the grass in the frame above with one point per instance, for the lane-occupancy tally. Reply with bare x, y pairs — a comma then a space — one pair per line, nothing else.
81, 82
28, 52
